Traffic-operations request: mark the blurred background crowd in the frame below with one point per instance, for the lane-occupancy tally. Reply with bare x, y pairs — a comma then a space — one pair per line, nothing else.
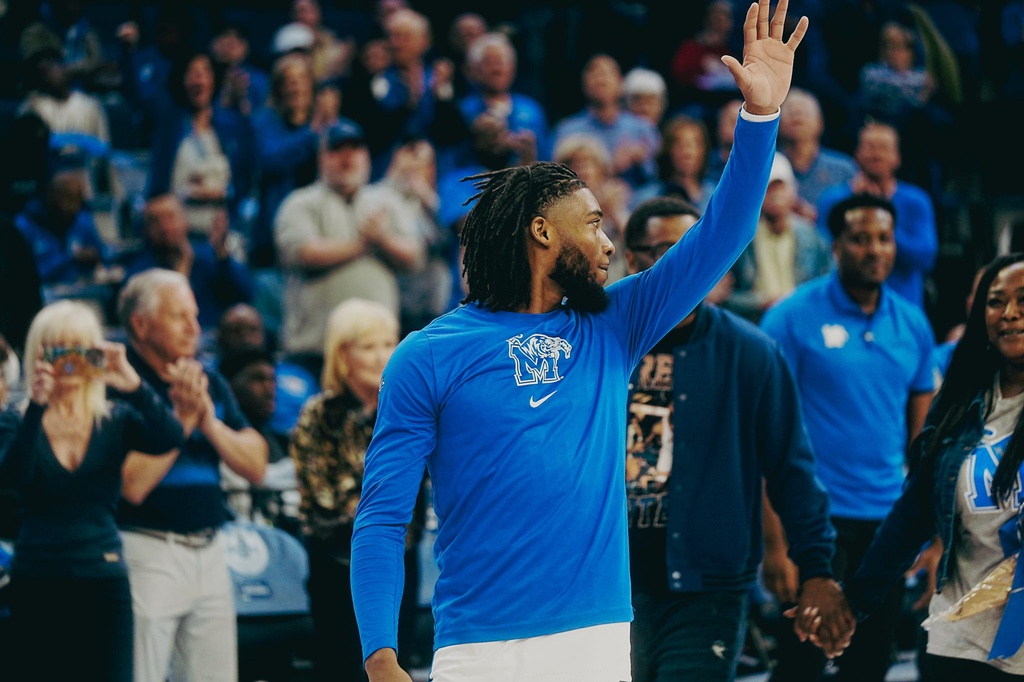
286, 156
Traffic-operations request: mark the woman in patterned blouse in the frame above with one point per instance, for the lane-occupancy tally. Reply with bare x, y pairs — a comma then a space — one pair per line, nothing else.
328, 446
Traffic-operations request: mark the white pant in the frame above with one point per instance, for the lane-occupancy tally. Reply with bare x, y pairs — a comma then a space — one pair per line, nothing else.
594, 654
183, 603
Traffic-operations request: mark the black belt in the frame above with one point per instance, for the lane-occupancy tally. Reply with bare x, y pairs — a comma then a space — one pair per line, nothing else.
196, 540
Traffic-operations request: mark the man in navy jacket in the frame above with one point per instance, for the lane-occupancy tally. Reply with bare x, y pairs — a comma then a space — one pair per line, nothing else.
713, 412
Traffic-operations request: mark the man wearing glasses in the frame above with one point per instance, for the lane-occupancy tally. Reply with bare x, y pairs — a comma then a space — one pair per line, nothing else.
713, 412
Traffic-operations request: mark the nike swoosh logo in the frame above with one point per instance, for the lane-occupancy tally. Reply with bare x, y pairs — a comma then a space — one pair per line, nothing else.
538, 403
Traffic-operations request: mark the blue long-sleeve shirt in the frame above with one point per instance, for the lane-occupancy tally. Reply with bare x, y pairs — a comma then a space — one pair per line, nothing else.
519, 419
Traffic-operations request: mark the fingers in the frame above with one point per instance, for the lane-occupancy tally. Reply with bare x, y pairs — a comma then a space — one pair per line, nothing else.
763, 11
778, 24
798, 34
749, 26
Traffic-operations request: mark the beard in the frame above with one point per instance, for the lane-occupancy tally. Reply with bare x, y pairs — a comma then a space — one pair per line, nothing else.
572, 272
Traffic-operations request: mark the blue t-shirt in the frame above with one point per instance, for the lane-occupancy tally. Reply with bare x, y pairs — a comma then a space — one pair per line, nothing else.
518, 419
855, 374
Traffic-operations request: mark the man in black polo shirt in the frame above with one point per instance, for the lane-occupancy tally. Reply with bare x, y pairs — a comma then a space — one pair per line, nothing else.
172, 505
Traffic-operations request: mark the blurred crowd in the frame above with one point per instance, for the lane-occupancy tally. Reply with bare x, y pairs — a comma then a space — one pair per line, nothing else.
287, 157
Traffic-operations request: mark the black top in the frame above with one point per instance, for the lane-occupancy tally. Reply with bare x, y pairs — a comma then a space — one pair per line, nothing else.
67, 517
189, 498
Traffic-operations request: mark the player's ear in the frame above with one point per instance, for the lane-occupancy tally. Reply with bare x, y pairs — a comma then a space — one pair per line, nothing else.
541, 232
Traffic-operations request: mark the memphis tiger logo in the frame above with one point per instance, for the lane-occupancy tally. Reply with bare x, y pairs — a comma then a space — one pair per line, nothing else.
982, 465
536, 358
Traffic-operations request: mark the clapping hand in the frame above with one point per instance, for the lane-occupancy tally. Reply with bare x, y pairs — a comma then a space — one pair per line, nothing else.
118, 373
189, 392
766, 72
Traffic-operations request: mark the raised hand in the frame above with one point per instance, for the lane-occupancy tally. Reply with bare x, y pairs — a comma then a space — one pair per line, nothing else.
766, 72
118, 373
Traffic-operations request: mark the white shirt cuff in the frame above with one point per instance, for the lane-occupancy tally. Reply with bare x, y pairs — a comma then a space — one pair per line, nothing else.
758, 118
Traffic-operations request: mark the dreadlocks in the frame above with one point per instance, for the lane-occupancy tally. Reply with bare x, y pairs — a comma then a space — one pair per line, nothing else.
496, 267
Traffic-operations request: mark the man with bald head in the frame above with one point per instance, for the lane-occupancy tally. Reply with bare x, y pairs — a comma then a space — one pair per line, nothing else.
218, 280
816, 167
61, 232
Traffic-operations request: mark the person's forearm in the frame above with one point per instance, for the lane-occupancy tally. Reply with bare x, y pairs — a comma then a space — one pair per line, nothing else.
141, 473
321, 254
774, 536
405, 253
245, 452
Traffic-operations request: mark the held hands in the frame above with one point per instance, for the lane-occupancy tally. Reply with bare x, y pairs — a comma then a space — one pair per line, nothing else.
823, 616
767, 69
118, 372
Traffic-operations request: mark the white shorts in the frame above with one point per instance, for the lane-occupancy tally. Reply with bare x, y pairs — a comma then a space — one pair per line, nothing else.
594, 654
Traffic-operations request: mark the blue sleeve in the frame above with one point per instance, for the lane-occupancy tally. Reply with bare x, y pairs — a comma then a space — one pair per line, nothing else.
232, 282
404, 436
152, 428
776, 323
166, 139
227, 405
279, 150
647, 305
788, 464
917, 241
924, 377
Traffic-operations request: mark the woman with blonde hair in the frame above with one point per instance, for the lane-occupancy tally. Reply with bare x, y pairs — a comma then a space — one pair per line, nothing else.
328, 445
63, 455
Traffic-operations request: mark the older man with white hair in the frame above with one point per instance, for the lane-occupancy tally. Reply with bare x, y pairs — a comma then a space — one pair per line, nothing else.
491, 63
172, 506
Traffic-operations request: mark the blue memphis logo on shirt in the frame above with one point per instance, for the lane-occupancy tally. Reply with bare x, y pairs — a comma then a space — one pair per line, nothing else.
982, 464
536, 358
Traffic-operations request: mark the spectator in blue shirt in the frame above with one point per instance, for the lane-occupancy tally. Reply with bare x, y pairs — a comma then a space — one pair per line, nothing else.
217, 279
816, 167
64, 239
862, 359
243, 86
287, 133
917, 240
491, 62
632, 141
202, 152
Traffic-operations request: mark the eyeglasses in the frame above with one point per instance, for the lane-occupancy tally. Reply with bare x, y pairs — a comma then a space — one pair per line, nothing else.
656, 251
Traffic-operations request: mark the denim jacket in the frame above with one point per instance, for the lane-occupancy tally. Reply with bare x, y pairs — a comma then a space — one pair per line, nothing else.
926, 507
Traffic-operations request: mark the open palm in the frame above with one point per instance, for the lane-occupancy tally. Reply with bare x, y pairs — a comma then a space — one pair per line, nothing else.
766, 72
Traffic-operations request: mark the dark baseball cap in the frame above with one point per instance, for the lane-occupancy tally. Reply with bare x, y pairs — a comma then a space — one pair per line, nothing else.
344, 133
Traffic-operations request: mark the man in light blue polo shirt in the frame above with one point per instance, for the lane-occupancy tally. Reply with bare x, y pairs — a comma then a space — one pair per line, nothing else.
862, 359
